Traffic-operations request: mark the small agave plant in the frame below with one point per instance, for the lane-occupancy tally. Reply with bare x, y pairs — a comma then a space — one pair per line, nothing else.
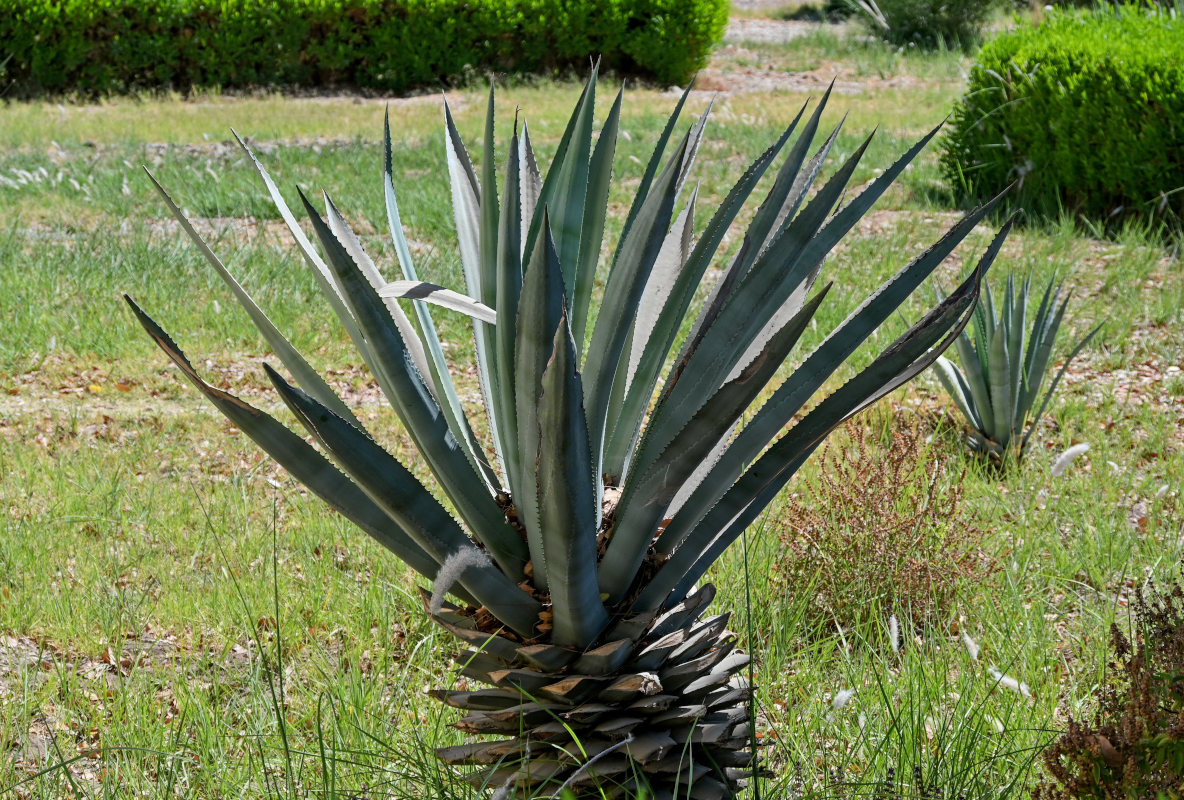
617, 471
1004, 365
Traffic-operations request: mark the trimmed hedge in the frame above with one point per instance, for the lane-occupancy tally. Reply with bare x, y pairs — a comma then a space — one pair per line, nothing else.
103, 46
1086, 111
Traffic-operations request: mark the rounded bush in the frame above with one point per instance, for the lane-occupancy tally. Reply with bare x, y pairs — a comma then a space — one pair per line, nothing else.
1085, 112
104, 46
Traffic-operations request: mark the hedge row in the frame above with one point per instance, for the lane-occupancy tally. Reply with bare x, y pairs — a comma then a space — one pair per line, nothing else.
1086, 110
102, 46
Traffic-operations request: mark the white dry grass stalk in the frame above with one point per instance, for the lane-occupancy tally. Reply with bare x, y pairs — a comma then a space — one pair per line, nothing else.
841, 699
894, 633
971, 646
450, 571
1066, 458
1008, 682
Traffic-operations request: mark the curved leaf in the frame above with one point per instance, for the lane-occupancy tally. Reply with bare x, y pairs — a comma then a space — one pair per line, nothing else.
389, 484
438, 295
305, 375
303, 462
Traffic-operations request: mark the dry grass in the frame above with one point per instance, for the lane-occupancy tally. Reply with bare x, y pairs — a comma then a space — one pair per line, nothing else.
880, 528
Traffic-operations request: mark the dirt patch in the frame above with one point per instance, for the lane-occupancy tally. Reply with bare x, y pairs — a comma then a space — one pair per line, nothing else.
735, 69
767, 31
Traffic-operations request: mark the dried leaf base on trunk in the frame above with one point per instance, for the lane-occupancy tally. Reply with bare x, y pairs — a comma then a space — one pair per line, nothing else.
662, 706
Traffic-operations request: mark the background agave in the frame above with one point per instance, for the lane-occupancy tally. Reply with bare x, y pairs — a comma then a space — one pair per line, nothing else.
577, 550
1004, 365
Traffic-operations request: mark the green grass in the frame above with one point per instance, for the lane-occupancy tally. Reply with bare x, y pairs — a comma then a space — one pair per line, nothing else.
155, 568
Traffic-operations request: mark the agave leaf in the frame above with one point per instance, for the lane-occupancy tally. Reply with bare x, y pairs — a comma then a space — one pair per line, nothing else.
305, 375
646, 498
980, 395
622, 294
628, 417
488, 369
440, 377
1052, 386
320, 270
509, 288
627, 407
1044, 329
471, 229
357, 254
438, 295
303, 462
394, 222
490, 215
422, 416
1044, 337
540, 312
792, 395
652, 167
951, 378
1004, 423
389, 484
989, 320
595, 211
1016, 328
531, 183
694, 139
565, 185
567, 499
466, 203
742, 504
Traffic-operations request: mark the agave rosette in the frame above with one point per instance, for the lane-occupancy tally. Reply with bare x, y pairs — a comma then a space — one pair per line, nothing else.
618, 471
1005, 364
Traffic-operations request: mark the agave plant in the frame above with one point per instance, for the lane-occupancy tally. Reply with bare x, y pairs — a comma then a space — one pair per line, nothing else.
1005, 365
616, 472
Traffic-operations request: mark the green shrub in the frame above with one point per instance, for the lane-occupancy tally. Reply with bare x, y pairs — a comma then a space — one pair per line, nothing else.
926, 23
821, 11
100, 46
1085, 111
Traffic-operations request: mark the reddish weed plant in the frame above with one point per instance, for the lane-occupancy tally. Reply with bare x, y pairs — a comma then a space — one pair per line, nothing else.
879, 528
1135, 746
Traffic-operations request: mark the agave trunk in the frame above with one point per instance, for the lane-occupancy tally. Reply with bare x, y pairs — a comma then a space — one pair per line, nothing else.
664, 708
